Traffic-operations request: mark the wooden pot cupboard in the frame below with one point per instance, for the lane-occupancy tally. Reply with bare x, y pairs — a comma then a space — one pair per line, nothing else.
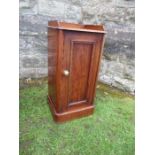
74, 53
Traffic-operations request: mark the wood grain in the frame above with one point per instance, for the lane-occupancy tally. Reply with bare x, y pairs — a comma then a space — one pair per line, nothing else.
77, 52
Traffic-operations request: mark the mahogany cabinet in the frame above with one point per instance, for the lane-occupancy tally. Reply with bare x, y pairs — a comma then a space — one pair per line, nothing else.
74, 53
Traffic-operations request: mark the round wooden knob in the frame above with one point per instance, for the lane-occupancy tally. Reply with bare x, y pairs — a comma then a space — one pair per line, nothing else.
66, 72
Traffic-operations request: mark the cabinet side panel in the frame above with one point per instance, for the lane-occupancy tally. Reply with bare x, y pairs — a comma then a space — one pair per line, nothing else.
52, 61
99, 52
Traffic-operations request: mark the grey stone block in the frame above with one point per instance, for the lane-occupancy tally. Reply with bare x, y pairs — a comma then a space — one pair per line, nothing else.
118, 74
34, 23
51, 8
28, 7
33, 72
108, 13
73, 13
31, 61
125, 3
24, 3
30, 44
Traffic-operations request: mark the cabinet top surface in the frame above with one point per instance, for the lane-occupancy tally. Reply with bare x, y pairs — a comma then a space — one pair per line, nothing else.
76, 27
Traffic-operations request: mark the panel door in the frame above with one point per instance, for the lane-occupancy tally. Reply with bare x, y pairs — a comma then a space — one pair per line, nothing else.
82, 53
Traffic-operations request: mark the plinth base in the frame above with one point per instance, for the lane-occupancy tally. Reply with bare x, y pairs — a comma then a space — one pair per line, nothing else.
70, 114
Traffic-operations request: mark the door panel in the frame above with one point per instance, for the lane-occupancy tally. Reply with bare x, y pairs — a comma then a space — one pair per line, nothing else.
81, 57
80, 60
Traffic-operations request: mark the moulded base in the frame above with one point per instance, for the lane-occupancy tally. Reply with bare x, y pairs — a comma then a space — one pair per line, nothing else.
70, 114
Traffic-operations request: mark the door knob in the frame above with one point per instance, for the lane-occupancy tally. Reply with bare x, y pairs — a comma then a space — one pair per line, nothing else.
66, 72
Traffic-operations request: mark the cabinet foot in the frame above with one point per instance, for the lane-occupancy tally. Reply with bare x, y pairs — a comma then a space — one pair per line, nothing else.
70, 114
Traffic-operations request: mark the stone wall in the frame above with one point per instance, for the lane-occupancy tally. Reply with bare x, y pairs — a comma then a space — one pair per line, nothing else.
117, 67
